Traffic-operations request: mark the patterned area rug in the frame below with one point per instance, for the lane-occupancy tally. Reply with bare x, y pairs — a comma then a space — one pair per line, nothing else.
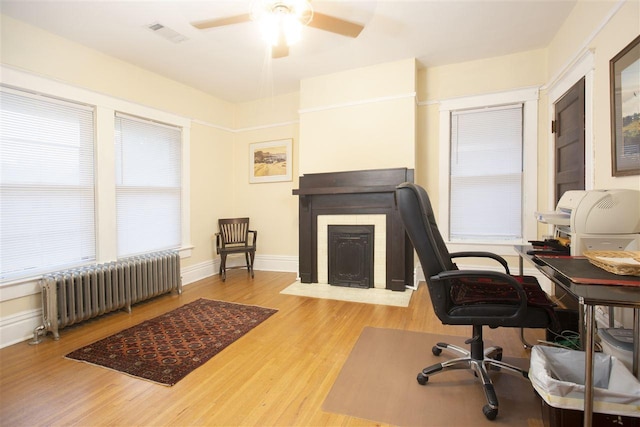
168, 347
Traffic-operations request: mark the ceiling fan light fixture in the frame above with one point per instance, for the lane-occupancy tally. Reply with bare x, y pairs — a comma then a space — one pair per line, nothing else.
282, 19
270, 29
281, 22
292, 29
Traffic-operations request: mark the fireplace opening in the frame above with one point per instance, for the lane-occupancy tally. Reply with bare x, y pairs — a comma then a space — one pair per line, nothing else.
350, 253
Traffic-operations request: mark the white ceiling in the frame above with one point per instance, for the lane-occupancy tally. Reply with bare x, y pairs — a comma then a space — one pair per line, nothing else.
232, 62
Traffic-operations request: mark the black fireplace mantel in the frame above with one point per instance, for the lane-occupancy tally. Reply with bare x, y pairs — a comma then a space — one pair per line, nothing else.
355, 193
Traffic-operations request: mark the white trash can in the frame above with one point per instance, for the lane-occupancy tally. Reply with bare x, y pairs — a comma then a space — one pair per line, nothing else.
557, 375
618, 342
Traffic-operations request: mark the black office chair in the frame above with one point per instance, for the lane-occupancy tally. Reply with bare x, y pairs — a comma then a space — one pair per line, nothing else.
470, 297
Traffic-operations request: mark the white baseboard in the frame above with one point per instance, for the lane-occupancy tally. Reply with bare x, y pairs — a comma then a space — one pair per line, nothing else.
19, 327
276, 263
418, 275
200, 271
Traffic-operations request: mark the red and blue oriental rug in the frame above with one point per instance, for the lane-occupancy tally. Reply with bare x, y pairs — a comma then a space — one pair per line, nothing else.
168, 347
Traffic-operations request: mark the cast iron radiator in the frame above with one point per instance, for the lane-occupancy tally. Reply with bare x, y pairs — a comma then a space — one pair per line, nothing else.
76, 295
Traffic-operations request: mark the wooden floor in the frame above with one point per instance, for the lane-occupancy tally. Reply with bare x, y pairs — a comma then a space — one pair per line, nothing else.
279, 374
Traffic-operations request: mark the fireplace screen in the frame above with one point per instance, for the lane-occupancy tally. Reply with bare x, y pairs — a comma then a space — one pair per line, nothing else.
351, 255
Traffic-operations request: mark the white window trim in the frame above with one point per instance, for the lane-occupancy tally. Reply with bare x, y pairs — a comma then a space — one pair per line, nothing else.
529, 98
105, 107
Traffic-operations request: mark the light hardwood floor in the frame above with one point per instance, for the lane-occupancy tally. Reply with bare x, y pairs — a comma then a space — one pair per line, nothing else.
279, 374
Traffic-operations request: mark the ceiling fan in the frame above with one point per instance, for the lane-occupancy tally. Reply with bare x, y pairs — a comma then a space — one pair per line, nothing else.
281, 22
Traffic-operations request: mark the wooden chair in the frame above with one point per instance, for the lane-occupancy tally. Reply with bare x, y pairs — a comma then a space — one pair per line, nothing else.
234, 237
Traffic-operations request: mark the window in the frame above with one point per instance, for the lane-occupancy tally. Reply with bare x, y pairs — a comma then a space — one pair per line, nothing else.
486, 174
148, 185
488, 170
47, 216
61, 203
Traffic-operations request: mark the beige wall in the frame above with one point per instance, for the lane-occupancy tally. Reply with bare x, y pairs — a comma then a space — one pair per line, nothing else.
359, 119
210, 189
435, 84
483, 76
272, 207
31, 49
586, 17
623, 27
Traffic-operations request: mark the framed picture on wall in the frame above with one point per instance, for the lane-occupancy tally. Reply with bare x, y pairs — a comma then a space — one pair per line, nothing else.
270, 161
624, 71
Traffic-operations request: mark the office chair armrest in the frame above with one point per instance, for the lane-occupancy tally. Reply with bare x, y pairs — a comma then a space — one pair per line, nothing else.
521, 311
255, 237
481, 254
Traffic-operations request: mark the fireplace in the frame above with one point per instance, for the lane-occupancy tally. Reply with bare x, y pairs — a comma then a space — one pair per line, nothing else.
350, 255
379, 225
354, 198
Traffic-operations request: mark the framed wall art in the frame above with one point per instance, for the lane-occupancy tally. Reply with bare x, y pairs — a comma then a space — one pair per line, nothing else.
270, 161
624, 71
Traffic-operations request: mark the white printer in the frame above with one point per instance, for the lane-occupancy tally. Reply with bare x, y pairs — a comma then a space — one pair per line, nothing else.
597, 220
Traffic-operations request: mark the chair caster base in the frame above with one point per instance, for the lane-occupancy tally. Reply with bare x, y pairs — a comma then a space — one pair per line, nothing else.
489, 412
422, 379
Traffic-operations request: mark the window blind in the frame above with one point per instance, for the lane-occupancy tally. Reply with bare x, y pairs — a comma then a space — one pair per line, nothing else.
46, 186
486, 174
148, 185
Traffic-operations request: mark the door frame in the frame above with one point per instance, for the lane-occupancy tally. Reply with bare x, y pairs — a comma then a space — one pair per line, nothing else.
582, 67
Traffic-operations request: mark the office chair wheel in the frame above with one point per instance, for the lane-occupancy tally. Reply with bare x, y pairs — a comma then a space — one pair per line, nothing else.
436, 350
490, 412
498, 357
422, 379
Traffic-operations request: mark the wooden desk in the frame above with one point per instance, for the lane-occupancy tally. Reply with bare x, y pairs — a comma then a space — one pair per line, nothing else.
592, 286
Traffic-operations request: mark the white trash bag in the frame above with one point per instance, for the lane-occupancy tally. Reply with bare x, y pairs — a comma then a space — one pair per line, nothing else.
557, 374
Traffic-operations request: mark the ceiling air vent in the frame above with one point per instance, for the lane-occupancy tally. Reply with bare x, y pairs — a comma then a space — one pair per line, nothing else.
167, 33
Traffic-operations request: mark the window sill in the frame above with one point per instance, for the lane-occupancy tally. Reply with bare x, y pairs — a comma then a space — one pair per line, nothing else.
498, 248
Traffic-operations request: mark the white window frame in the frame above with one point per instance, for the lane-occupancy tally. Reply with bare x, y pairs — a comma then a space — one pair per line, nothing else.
130, 227
62, 237
529, 99
105, 109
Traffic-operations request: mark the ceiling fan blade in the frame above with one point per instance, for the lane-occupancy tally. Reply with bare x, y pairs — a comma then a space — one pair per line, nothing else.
219, 22
335, 25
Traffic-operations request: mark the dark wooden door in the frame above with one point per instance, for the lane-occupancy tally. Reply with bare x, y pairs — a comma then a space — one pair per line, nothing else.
568, 127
